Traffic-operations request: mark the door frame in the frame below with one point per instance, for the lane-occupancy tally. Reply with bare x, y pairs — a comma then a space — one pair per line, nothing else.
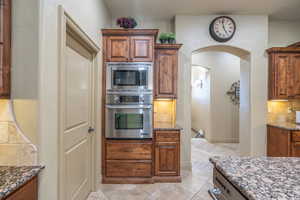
68, 26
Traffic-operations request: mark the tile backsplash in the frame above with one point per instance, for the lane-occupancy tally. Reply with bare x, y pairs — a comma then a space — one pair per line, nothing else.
165, 111
283, 111
15, 148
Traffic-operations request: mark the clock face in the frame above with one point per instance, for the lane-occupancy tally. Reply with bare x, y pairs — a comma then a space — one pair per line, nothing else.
222, 28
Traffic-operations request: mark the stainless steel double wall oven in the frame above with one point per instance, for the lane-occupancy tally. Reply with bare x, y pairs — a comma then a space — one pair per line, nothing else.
129, 94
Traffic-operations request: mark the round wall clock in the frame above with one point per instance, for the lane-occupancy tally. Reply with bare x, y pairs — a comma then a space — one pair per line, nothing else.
222, 28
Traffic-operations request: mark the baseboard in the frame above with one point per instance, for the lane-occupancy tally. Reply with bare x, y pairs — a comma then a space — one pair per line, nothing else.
224, 140
98, 181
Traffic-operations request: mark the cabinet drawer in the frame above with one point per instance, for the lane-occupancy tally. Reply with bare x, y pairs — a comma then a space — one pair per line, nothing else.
130, 150
296, 136
128, 168
167, 136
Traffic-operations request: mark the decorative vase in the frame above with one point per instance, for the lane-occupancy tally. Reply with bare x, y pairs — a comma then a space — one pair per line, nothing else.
126, 22
163, 41
171, 41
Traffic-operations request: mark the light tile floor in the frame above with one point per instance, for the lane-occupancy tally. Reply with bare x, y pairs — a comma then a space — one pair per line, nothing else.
194, 185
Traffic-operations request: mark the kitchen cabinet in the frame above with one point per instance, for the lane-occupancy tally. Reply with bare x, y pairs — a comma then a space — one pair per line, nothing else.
278, 142
129, 168
295, 75
166, 69
295, 144
117, 48
295, 149
128, 161
284, 72
167, 155
282, 142
141, 48
136, 45
27, 192
5, 48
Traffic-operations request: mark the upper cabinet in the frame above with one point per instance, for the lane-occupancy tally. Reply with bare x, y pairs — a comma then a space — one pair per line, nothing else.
133, 45
141, 48
5, 47
166, 69
117, 48
284, 72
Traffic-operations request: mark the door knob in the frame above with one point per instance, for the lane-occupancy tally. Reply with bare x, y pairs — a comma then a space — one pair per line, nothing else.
91, 130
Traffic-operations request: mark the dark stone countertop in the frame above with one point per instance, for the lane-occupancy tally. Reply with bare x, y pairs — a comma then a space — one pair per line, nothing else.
165, 126
285, 125
262, 178
12, 178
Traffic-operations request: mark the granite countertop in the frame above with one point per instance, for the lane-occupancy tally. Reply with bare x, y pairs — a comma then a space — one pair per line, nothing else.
262, 178
285, 125
12, 178
166, 126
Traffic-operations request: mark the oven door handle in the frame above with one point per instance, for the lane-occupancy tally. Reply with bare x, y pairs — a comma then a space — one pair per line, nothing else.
129, 106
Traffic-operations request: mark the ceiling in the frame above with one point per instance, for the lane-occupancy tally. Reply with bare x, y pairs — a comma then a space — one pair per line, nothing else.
166, 9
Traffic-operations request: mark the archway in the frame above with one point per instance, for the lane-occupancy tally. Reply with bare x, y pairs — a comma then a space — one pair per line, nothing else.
244, 106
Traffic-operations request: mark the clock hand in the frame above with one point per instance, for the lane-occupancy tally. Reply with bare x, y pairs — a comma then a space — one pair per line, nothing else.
224, 27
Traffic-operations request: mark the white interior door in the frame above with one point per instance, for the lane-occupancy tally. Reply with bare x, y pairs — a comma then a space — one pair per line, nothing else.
76, 86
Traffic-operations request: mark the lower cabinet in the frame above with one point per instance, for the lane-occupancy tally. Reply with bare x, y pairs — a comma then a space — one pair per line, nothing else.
282, 142
27, 192
278, 142
143, 161
167, 159
296, 149
128, 161
128, 168
167, 156
295, 144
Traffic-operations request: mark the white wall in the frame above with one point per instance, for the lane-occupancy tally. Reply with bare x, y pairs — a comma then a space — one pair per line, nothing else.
245, 109
201, 100
91, 15
24, 73
283, 33
252, 36
224, 115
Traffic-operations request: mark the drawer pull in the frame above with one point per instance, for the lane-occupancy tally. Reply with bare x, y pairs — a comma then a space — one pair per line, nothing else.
166, 146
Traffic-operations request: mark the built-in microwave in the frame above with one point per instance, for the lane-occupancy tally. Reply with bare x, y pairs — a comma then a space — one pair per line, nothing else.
128, 121
129, 76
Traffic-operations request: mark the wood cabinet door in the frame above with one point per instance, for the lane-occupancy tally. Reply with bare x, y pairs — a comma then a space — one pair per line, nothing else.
295, 149
167, 159
117, 48
294, 75
166, 62
5, 47
27, 192
141, 48
281, 81
278, 142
